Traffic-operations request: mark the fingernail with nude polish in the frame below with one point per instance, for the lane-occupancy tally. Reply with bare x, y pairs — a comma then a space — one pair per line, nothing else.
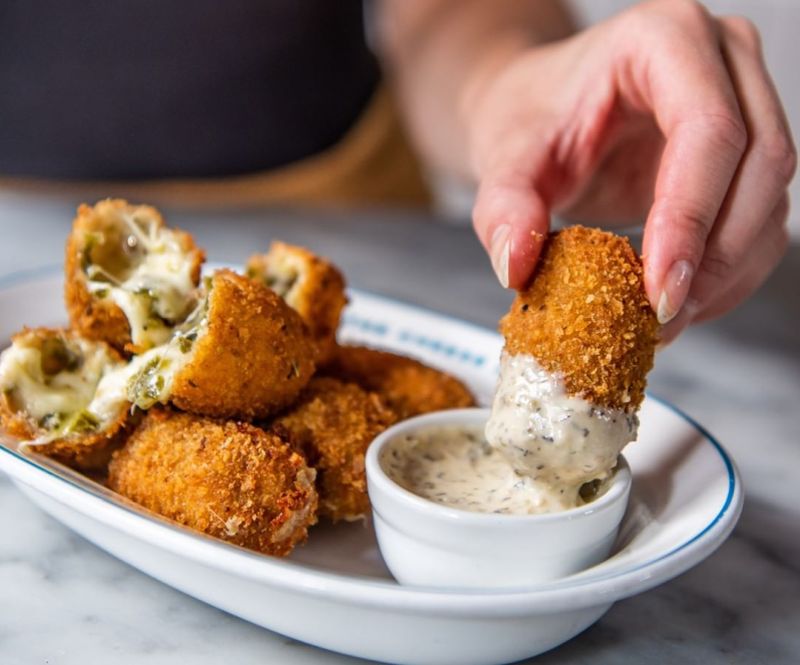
674, 290
500, 250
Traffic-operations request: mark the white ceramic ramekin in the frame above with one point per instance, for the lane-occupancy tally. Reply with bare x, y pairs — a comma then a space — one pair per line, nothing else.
424, 543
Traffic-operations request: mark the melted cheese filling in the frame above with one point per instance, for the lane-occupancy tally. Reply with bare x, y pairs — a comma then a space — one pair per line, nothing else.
59, 402
148, 378
158, 291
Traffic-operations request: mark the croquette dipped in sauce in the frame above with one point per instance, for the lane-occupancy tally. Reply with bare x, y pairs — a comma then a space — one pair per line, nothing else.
586, 317
579, 343
310, 284
229, 479
243, 353
409, 387
332, 424
51, 398
129, 279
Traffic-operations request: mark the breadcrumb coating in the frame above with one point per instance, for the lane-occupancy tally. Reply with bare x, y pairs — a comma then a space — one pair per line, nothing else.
409, 387
88, 450
310, 284
254, 358
333, 423
228, 479
101, 318
586, 317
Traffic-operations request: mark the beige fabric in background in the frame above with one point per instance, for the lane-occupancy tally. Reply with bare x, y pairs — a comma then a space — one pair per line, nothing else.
372, 165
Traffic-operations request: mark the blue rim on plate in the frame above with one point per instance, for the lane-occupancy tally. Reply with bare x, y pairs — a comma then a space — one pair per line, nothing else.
86, 485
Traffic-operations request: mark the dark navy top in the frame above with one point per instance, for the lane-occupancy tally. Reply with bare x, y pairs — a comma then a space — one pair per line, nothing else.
132, 89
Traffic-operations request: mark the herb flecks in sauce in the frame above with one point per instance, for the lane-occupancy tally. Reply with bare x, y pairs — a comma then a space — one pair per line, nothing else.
455, 467
550, 436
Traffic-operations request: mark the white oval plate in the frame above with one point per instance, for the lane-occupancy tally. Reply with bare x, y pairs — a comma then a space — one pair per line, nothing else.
335, 592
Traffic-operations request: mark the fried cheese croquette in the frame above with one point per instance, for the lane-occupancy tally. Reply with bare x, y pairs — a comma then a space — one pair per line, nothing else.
244, 353
579, 343
586, 317
49, 380
228, 479
310, 284
332, 424
128, 278
408, 387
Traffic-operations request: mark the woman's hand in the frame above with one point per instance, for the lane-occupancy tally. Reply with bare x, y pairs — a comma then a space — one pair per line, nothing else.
663, 112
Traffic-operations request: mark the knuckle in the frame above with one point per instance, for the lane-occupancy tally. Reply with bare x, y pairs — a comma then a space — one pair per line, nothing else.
781, 213
690, 12
668, 16
779, 151
686, 224
717, 264
727, 128
744, 30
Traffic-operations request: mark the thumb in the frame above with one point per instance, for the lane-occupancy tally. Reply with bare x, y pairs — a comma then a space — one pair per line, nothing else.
511, 221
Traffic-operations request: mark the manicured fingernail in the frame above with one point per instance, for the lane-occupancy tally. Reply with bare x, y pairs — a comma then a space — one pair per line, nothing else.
674, 290
500, 250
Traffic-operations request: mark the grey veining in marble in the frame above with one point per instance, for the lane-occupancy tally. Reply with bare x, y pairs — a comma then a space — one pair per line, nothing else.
63, 601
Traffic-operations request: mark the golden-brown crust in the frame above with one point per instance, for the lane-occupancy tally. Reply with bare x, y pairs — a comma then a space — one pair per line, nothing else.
228, 479
319, 294
586, 317
254, 358
332, 424
89, 451
101, 319
406, 385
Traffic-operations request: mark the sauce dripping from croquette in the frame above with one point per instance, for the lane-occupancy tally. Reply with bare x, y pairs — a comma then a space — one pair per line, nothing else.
553, 438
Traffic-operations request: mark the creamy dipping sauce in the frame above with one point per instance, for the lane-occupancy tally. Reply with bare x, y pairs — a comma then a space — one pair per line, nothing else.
550, 436
455, 466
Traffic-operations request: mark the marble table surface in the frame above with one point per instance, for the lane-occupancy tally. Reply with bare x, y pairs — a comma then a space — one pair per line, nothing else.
64, 601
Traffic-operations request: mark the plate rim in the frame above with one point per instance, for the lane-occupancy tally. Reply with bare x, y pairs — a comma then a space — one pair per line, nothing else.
547, 598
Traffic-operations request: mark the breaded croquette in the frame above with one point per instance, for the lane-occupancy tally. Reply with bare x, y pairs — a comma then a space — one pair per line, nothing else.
244, 353
49, 380
586, 317
128, 278
406, 385
332, 424
579, 343
228, 479
310, 284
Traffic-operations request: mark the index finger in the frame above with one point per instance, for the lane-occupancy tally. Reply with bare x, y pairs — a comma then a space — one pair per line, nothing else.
685, 84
